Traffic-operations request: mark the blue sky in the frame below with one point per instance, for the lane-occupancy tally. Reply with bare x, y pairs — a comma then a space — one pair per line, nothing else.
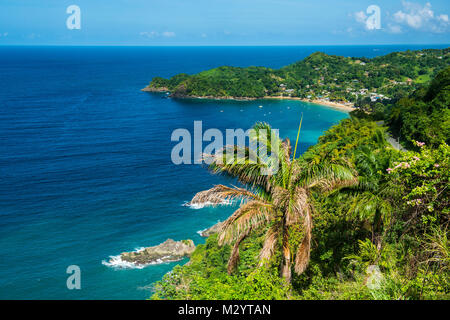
224, 22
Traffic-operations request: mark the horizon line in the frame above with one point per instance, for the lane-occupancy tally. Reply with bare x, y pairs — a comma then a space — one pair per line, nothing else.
224, 45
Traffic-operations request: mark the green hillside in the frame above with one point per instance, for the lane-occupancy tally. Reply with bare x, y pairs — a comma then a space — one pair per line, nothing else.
375, 219
317, 76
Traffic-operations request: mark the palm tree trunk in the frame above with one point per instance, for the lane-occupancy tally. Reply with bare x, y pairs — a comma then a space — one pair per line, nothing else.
286, 269
286, 265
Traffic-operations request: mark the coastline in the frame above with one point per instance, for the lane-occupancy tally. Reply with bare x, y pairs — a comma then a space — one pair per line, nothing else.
332, 104
337, 105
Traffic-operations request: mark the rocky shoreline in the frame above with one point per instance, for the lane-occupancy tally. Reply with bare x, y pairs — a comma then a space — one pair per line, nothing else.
211, 230
167, 251
151, 89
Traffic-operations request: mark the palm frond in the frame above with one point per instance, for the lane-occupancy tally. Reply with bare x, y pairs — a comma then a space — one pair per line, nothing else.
298, 206
326, 175
370, 207
281, 178
327, 185
367, 183
252, 214
264, 163
270, 242
280, 198
242, 163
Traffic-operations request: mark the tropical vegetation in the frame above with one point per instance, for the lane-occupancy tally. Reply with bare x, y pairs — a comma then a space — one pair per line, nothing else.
319, 76
353, 217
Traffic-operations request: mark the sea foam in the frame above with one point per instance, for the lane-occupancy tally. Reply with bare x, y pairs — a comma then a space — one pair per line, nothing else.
197, 206
116, 262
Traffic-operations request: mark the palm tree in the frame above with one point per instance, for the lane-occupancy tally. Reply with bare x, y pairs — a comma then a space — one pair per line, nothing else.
279, 200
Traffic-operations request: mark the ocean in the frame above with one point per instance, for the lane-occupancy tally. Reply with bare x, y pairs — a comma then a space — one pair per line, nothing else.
85, 162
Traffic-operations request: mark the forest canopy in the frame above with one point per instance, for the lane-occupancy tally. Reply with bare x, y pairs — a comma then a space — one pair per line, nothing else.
383, 236
319, 76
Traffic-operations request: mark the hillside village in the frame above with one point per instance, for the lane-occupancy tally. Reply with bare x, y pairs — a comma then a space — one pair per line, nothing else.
345, 80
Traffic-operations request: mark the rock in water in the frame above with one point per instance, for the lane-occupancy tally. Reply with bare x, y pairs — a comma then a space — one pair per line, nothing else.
214, 229
169, 250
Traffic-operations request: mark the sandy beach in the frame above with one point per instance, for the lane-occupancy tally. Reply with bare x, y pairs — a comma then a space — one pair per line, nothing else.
337, 105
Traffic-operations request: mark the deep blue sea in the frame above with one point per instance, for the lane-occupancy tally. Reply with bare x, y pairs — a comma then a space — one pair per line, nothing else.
85, 167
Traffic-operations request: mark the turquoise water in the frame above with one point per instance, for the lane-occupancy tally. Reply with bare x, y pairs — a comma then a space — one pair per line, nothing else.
85, 162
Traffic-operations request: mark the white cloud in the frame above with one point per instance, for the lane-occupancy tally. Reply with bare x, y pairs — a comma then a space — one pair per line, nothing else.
420, 17
168, 34
443, 17
155, 34
361, 17
151, 34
